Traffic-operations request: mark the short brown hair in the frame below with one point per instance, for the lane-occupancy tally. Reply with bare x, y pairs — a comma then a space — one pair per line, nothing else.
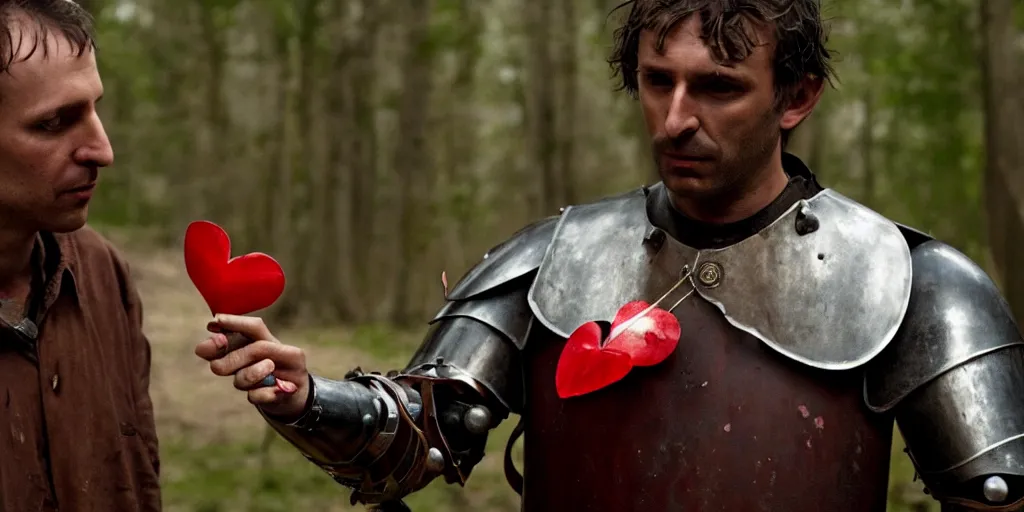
64, 16
726, 29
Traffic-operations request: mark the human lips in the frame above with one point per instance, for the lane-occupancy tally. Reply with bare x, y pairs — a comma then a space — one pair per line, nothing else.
683, 157
82, 191
683, 160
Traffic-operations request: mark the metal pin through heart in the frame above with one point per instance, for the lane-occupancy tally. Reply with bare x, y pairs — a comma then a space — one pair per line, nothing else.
687, 277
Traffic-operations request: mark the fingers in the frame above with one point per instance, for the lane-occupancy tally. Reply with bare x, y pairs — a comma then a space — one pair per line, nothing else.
220, 344
270, 395
283, 356
252, 377
249, 326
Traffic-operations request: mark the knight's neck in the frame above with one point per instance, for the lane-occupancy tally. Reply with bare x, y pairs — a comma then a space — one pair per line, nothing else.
704, 235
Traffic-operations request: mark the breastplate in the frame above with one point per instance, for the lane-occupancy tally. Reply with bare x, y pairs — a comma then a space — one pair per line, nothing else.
760, 407
725, 424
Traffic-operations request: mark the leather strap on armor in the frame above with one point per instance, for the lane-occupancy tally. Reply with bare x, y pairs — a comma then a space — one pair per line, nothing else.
415, 428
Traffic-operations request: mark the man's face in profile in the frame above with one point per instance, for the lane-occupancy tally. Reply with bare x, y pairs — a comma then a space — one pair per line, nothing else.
52, 142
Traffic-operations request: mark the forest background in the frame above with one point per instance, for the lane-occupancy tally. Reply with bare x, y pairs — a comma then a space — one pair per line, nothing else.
370, 144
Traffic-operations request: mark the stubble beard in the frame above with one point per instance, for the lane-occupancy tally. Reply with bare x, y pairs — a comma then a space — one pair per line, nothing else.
737, 175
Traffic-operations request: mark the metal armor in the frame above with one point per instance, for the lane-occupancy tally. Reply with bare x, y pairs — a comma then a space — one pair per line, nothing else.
955, 378
760, 407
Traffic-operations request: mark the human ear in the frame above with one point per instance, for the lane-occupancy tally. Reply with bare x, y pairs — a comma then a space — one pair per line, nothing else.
801, 101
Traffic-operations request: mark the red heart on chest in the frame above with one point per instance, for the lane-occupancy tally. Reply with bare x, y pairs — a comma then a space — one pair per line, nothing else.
640, 335
234, 286
585, 366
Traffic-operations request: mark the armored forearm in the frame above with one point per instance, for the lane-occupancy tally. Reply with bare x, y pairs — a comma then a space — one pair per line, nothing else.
954, 377
388, 436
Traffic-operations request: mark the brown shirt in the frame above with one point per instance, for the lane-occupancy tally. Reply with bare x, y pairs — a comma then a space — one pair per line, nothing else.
76, 426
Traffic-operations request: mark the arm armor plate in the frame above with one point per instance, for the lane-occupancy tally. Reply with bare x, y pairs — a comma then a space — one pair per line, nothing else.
954, 378
388, 436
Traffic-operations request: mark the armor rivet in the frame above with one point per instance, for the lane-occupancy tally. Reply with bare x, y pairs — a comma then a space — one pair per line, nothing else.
368, 420
435, 460
806, 222
995, 489
477, 419
710, 274
451, 418
655, 238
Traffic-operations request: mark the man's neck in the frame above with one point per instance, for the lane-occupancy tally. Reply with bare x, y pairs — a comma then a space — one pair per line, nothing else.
16, 249
767, 186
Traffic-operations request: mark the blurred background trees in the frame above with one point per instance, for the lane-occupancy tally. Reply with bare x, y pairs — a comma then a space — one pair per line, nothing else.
370, 145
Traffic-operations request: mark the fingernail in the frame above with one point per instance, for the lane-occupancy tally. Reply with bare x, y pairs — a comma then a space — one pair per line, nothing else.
286, 386
268, 381
213, 327
220, 340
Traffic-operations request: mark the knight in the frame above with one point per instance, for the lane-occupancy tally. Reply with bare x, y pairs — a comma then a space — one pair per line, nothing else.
734, 337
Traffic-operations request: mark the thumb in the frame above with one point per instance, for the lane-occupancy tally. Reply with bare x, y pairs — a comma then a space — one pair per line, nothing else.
249, 326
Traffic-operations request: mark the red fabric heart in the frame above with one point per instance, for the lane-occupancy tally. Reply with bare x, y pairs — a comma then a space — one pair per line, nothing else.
648, 339
234, 286
585, 366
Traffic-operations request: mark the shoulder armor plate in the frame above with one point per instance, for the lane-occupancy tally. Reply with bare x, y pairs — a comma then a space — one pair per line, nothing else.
515, 257
827, 284
956, 314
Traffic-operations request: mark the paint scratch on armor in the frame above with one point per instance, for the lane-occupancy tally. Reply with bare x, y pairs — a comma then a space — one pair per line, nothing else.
727, 427
808, 443
819, 423
16, 433
803, 411
704, 385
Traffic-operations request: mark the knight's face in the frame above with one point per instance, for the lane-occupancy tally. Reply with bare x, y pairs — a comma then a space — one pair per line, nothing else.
52, 143
713, 127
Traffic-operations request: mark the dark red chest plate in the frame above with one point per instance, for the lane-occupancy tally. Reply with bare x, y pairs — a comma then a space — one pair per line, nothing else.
725, 424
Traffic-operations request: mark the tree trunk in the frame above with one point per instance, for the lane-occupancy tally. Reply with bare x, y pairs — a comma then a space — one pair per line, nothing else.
567, 95
314, 280
1003, 179
541, 116
279, 219
411, 157
867, 150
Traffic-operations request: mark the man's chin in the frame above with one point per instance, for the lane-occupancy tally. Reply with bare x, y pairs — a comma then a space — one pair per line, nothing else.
688, 185
67, 222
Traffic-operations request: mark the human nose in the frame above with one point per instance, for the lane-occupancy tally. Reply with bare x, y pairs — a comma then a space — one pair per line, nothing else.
96, 151
681, 119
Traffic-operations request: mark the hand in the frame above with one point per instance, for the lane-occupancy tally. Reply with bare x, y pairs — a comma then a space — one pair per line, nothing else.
251, 353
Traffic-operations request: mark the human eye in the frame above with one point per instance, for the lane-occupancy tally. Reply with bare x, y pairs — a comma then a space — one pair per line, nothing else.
657, 79
53, 123
722, 87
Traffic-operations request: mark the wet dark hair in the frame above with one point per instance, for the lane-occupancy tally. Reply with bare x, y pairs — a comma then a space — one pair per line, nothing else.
68, 18
727, 29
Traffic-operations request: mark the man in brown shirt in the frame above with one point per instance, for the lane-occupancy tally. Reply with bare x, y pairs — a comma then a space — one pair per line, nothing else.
76, 421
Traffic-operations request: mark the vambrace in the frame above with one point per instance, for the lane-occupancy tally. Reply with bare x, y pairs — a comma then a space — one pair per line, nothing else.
954, 379
388, 436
